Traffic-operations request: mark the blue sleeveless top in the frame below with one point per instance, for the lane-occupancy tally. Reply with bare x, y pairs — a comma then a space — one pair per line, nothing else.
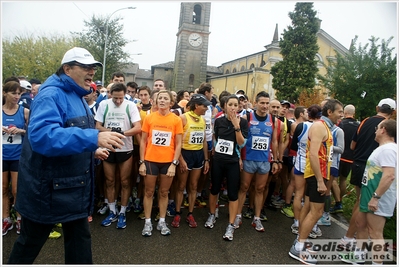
259, 140
12, 144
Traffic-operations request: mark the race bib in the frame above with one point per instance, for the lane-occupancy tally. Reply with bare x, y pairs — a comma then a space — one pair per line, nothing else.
114, 125
260, 143
196, 138
330, 154
364, 178
161, 138
224, 147
12, 139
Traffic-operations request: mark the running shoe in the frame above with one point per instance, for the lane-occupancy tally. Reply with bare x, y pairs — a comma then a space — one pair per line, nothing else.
217, 211
258, 225
18, 226
228, 235
224, 198
294, 229
54, 235
163, 228
171, 210
287, 211
326, 221
278, 202
211, 221
157, 217
137, 206
112, 217
121, 224
346, 242
191, 221
147, 230
352, 257
141, 216
129, 205
176, 221
263, 216
103, 209
13, 213
337, 208
303, 256
315, 232
237, 222
249, 213
199, 202
7, 226
185, 204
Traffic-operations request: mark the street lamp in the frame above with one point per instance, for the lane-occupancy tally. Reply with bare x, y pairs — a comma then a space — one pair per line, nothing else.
106, 38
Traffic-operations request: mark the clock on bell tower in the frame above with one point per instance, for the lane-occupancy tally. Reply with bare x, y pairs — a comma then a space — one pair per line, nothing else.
191, 46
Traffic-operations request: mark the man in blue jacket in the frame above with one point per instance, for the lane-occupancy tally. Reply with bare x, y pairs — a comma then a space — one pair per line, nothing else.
56, 171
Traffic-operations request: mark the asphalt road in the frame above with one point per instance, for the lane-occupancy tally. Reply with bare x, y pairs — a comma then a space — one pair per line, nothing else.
185, 245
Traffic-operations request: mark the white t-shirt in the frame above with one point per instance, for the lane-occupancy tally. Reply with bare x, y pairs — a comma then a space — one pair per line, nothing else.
121, 118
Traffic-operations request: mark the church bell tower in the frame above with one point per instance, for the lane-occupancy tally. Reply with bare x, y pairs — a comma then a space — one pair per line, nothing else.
190, 66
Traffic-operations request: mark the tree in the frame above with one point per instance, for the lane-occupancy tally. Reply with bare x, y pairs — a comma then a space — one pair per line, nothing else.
93, 39
363, 77
307, 99
34, 57
297, 71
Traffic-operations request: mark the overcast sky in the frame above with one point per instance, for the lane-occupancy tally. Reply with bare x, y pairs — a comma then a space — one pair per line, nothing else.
237, 28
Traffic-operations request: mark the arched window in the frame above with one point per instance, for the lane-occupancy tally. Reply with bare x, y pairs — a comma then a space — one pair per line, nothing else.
318, 58
234, 70
197, 14
191, 79
242, 68
227, 71
263, 63
252, 66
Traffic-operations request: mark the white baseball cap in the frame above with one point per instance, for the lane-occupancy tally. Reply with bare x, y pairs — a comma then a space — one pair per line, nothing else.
388, 101
80, 55
25, 84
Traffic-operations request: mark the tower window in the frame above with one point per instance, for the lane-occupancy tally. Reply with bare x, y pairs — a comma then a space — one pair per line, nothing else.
197, 14
234, 70
252, 66
242, 68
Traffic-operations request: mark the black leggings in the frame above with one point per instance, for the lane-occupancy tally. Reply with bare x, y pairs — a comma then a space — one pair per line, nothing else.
232, 173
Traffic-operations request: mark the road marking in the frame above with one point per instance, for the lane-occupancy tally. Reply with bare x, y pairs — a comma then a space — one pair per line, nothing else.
342, 225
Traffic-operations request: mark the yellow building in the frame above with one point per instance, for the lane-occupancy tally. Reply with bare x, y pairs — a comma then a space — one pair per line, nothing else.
252, 73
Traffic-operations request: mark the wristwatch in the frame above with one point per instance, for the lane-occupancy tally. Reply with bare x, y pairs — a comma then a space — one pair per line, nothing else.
141, 162
376, 196
175, 162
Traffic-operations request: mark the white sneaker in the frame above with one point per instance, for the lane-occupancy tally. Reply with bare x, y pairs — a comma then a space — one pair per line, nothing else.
147, 230
163, 228
211, 221
315, 232
228, 235
237, 222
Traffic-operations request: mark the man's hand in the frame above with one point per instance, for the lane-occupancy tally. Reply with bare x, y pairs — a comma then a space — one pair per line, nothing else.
101, 153
110, 140
321, 187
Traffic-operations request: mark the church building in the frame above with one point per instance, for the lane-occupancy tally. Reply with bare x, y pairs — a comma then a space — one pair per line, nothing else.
250, 73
